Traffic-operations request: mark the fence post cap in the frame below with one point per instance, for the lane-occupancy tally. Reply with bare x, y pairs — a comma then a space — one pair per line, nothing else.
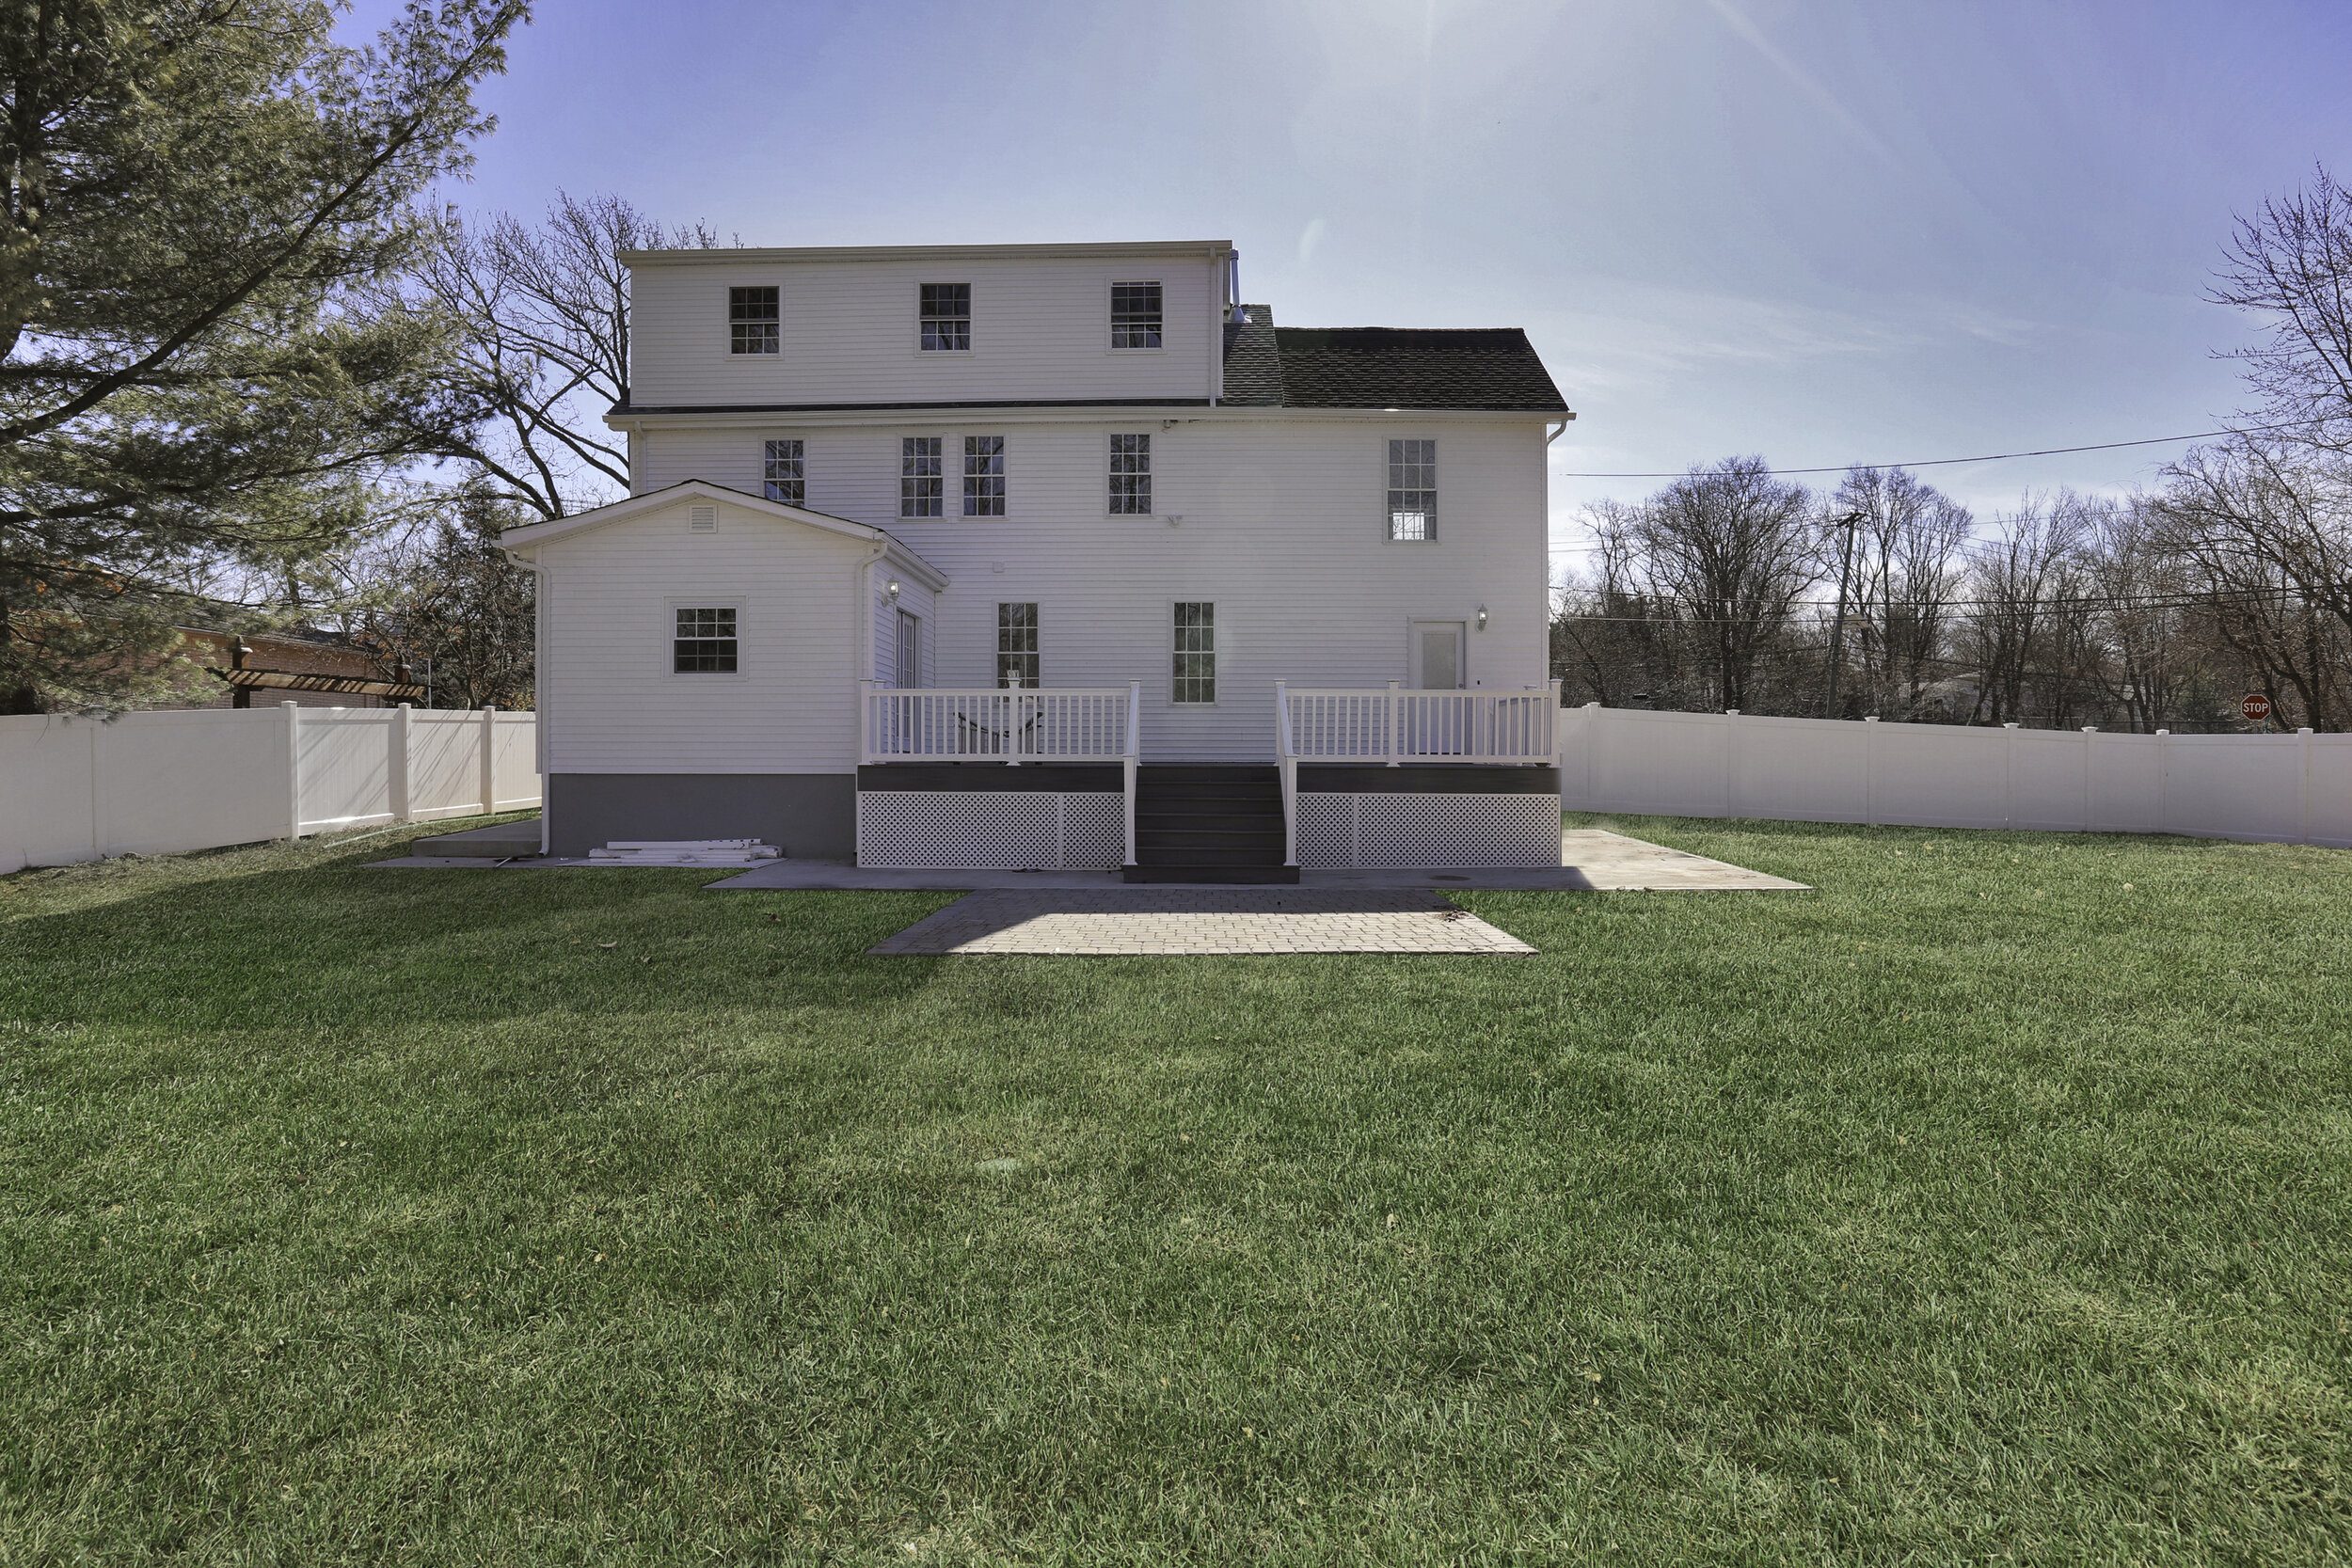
2164, 731
2304, 730
1870, 718
1731, 713
2090, 729
2008, 726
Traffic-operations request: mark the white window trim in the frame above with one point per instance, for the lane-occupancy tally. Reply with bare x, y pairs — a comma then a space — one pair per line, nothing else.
1437, 534
1219, 652
803, 502
726, 326
950, 501
915, 342
669, 639
1152, 455
1110, 322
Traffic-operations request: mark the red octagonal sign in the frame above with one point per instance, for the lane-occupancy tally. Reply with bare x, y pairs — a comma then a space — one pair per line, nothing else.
2256, 706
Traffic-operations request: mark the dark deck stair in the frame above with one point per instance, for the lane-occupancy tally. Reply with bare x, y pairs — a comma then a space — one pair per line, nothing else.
1209, 823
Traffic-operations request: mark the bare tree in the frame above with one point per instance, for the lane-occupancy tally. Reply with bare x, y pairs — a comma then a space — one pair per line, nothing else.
1910, 543
2026, 623
1734, 549
545, 315
2264, 528
2292, 263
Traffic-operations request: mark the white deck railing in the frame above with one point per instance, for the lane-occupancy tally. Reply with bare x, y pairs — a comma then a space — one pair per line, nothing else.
1011, 726
1393, 726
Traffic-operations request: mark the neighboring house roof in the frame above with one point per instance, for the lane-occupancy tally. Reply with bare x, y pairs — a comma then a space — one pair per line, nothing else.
653, 500
1384, 367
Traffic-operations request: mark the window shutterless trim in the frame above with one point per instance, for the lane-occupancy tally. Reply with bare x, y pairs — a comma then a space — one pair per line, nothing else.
942, 318
1192, 664
983, 476
784, 471
922, 478
1017, 645
1138, 321
706, 639
754, 318
1412, 491
1130, 476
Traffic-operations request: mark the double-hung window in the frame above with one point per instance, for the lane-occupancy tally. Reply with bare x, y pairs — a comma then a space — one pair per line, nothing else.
922, 486
1413, 490
983, 476
786, 479
946, 316
704, 644
1195, 669
1016, 645
1131, 475
1135, 315
754, 321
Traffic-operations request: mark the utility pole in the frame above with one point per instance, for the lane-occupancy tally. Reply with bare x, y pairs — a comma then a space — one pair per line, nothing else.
1838, 624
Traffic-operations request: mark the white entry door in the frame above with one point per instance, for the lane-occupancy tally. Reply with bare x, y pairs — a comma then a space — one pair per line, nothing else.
909, 656
1436, 726
1437, 656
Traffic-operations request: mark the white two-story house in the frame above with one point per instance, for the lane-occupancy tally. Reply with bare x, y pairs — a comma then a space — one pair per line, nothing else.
1053, 556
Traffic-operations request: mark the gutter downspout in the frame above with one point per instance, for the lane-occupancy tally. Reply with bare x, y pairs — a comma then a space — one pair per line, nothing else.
538, 681
862, 664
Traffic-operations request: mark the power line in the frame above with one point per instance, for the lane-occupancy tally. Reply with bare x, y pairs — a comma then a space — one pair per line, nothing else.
1989, 457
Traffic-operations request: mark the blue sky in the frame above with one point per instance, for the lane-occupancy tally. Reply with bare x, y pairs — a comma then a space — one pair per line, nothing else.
1825, 231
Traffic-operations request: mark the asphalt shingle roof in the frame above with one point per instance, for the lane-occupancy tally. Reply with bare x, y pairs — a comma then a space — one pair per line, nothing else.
1383, 367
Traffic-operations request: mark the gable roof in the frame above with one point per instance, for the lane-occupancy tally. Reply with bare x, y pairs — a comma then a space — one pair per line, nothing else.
1384, 367
532, 534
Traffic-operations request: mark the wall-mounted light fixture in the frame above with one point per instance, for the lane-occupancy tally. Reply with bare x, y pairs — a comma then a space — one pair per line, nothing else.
893, 592
1481, 617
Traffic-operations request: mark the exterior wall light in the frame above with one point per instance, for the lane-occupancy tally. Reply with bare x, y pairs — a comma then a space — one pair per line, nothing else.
893, 592
1481, 617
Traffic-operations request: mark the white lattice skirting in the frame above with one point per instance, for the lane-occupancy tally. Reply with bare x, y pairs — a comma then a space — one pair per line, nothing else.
991, 830
1411, 833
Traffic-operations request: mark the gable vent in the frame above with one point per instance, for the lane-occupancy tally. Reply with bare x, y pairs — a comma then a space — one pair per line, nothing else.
703, 519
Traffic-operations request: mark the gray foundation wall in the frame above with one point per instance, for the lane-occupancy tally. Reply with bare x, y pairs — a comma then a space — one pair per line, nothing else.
808, 816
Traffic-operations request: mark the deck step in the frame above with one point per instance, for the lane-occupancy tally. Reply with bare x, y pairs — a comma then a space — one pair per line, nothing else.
1225, 874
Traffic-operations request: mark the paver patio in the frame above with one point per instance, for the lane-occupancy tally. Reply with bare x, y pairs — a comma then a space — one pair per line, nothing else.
1183, 920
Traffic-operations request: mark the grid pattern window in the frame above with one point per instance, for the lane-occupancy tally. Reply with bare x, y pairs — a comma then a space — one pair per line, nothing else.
922, 485
787, 478
754, 321
946, 314
1195, 667
1131, 475
1413, 490
704, 643
983, 476
1135, 315
1016, 645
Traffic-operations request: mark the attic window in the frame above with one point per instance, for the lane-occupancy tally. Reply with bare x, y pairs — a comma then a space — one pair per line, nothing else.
703, 519
946, 312
1135, 315
754, 321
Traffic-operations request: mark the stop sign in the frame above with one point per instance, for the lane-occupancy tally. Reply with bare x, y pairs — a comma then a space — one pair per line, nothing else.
2255, 707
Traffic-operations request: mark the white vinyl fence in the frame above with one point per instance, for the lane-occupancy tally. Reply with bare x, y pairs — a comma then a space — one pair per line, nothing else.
150, 783
2290, 788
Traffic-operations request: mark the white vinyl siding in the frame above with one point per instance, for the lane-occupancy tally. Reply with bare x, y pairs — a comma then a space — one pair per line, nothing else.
1282, 530
612, 621
848, 332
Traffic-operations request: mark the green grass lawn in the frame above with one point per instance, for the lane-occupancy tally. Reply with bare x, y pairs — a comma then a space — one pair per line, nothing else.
1992, 1201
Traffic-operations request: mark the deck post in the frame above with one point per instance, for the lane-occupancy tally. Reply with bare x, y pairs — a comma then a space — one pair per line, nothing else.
865, 723
1135, 722
1392, 723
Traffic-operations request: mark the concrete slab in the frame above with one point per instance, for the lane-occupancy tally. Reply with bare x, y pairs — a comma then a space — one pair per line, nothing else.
494, 842
1163, 921
1592, 860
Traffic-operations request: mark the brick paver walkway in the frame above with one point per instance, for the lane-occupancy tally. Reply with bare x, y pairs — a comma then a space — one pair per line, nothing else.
1203, 920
